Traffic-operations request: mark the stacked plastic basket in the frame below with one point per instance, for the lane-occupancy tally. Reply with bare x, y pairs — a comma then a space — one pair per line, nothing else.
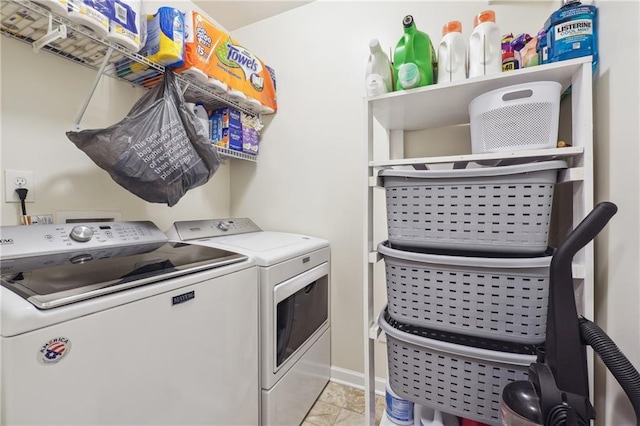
467, 282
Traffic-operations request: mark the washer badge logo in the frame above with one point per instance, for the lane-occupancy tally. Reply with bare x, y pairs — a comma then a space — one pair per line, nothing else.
54, 350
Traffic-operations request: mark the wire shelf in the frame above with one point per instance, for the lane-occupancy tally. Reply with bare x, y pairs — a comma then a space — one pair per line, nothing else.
26, 21
230, 153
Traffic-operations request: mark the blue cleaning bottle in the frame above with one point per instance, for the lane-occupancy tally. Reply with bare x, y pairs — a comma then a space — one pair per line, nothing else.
572, 32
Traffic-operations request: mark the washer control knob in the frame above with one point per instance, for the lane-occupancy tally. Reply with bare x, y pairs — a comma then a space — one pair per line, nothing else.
81, 233
223, 225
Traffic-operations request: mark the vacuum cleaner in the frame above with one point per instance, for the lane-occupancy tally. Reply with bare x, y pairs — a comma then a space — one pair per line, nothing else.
557, 390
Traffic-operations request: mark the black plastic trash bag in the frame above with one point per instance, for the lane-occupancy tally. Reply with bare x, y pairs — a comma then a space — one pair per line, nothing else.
159, 151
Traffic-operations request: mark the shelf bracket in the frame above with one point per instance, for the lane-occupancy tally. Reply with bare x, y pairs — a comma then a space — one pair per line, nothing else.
85, 104
51, 36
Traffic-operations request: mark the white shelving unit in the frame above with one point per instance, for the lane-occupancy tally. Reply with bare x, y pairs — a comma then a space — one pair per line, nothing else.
443, 105
28, 22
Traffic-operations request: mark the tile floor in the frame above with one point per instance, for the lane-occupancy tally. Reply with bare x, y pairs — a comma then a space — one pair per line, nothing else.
341, 405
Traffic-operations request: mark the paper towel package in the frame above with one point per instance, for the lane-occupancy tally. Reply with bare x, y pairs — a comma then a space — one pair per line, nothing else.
124, 24
93, 14
211, 53
198, 46
242, 70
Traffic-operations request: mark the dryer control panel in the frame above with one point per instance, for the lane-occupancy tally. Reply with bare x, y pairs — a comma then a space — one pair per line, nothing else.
198, 229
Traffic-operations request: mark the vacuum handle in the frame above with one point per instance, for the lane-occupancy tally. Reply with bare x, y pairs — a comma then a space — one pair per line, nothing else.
586, 231
565, 354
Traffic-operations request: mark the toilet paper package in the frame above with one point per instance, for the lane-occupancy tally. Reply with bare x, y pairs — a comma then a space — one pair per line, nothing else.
93, 14
165, 37
251, 127
124, 24
199, 46
249, 139
58, 6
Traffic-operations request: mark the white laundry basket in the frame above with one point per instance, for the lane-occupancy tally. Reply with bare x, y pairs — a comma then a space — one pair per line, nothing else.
514, 118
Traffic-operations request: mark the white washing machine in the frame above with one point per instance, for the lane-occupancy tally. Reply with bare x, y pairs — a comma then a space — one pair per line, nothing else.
295, 343
108, 323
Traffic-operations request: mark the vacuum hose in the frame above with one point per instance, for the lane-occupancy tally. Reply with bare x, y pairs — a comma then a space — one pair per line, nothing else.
616, 362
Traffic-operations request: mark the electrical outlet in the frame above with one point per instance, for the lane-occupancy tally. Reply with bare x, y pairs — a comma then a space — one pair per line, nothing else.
14, 179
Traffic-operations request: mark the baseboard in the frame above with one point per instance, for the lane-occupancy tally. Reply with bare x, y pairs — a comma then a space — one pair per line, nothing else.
354, 379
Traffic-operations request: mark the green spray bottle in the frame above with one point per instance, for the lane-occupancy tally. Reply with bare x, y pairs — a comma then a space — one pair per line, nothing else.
414, 61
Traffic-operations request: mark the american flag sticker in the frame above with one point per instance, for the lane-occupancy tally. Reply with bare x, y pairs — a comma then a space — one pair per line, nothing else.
54, 350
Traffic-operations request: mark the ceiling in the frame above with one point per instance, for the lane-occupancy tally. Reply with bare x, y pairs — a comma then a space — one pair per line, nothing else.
239, 13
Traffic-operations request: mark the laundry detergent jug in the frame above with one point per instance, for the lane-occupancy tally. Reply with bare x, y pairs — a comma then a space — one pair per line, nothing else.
378, 78
414, 60
452, 53
485, 46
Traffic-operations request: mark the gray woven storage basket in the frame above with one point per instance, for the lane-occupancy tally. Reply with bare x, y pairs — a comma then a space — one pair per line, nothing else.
494, 209
497, 298
464, 381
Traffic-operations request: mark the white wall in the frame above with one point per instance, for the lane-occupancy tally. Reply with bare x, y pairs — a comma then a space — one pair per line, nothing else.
617, 155
311, 174
40, 100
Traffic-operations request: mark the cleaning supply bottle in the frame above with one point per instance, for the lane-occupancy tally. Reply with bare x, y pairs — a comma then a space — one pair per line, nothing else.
452, 53
202, 114
378, 79
414, 60
572, 32
542, 48
398, 410
485, 47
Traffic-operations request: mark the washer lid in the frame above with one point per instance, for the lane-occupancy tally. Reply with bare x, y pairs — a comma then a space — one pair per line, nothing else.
50, 266
266, 247
69, 281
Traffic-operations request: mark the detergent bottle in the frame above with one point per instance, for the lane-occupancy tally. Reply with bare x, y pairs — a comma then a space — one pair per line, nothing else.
485, 46
379, 79
572, 32
452, 53
414, 60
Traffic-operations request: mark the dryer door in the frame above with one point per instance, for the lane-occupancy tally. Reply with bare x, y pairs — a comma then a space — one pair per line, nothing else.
301, 308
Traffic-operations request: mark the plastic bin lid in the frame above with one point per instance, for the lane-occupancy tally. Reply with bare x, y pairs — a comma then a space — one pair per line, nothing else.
476, 172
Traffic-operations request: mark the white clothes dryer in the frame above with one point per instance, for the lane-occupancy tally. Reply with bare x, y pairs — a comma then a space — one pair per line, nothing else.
108, 323
294, 273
